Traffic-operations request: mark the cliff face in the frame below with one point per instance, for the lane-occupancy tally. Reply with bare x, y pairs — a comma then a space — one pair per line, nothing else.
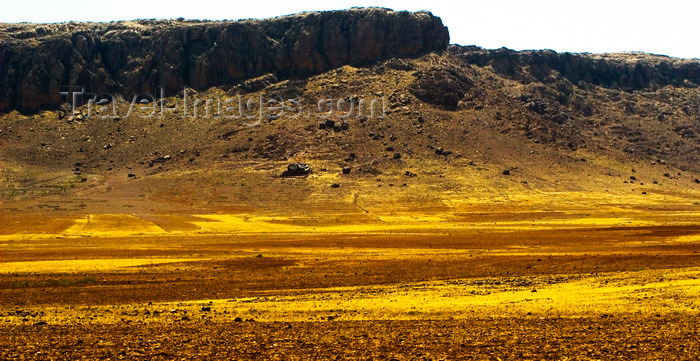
625, 71
131, 57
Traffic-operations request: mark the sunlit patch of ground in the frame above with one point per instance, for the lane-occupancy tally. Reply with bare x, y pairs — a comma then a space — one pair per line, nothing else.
112, 225
694, 239
638, 293
561, 270
82, 265
115, 225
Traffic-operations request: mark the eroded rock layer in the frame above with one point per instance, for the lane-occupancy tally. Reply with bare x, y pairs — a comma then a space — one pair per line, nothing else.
36, 60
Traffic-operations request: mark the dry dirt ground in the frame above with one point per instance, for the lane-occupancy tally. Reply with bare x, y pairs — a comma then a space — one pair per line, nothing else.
496, 230
481, 285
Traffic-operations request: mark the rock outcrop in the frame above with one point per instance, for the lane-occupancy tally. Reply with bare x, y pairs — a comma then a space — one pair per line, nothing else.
442, 87
131, 57
625, 71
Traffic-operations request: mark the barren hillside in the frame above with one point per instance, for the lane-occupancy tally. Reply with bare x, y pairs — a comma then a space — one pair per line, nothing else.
410, 119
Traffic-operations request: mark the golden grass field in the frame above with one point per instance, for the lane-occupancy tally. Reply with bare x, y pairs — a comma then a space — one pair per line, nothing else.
510, 282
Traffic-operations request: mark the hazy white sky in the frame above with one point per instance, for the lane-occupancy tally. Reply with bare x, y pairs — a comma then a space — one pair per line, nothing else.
669, 27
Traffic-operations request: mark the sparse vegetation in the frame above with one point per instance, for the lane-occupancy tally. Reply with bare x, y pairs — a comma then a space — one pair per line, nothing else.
61, 282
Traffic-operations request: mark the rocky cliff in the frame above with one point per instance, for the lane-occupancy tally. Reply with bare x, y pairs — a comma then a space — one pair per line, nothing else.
137, 56
624, 71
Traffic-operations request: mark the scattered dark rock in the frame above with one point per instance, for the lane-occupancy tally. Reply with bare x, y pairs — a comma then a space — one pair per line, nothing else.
399, 64
237, 319
537, 106
346, 170
162, 159
441, 87
369, 170
259, 83
397, 155
227, 135
297, 170
206, 308
335, 185
441, 151
506, 172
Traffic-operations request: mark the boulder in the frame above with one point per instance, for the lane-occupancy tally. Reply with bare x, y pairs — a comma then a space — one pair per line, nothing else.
441, 151
297, 170
441, 87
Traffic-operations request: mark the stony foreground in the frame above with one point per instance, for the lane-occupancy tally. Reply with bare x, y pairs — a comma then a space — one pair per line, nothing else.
667, 338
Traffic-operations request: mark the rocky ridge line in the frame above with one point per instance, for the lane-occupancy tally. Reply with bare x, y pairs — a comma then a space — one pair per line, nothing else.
130, 57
